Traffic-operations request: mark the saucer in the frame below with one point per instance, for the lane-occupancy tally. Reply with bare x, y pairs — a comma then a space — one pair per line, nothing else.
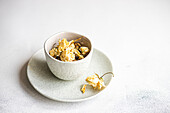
54, 88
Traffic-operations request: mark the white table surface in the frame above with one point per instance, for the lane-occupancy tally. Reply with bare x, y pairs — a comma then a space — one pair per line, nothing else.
135, 35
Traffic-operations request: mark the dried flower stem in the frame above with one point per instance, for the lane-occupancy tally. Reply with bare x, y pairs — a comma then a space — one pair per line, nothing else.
107, 73
77, 39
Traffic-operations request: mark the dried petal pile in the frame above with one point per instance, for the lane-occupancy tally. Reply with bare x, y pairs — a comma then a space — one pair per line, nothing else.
69, 51
95, 81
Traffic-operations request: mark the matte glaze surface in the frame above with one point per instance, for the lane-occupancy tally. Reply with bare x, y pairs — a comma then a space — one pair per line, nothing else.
67, 70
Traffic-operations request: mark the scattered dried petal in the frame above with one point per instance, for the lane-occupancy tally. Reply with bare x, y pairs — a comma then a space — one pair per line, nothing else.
83, 89
97, 82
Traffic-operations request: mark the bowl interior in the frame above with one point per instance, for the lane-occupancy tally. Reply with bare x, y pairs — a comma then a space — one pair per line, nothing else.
69, 36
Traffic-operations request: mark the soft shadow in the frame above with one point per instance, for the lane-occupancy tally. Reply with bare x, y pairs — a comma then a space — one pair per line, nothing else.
29, 89
26, 85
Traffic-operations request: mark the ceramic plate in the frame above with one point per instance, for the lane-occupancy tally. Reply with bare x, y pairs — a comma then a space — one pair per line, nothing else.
50, 86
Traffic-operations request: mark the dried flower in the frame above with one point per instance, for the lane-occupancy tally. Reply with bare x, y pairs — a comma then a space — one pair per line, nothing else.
95, 81
69, 51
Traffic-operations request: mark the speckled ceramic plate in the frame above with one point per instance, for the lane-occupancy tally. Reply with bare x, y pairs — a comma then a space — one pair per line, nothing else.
50, 86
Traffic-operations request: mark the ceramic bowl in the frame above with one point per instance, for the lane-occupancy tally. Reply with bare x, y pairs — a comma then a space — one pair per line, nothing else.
67, 70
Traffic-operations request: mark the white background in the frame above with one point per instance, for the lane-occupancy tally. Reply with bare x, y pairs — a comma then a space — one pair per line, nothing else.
135, 35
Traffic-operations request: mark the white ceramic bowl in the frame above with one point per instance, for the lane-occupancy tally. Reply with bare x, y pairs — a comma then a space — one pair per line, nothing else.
67, 70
